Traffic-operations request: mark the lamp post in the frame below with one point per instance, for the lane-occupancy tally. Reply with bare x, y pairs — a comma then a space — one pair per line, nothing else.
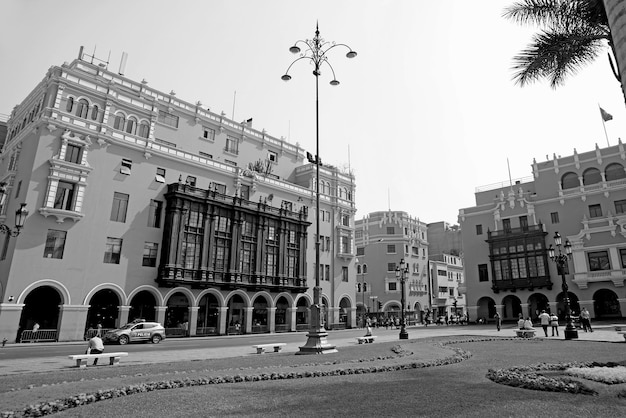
20, 215
315, 51
561, 261
401, 272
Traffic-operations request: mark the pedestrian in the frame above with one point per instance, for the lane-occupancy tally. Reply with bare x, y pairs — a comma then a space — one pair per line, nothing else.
99, 332
554, 323
95, 346
36, 327
528, 324
368, 331
545, 321
447, 319
498, 320
396, 322
585, 318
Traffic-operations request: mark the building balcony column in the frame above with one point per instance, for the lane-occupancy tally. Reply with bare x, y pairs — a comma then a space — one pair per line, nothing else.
525, 311
223, 317
122, 316
72, 321
160, 314
193, 320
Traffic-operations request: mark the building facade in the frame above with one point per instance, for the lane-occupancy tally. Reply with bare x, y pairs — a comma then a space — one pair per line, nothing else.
506, 238
446, 281
143, 205
383, 239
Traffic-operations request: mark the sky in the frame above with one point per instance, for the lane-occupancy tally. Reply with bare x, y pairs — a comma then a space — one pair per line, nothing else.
426, 113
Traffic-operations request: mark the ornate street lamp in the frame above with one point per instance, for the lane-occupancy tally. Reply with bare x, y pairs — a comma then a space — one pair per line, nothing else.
315, 51
561, 261
401, 272
20, 215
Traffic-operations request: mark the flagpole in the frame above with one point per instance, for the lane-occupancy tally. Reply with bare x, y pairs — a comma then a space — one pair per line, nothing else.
605, 134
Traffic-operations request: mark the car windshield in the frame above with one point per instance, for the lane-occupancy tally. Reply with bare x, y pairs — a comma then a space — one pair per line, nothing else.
128, 326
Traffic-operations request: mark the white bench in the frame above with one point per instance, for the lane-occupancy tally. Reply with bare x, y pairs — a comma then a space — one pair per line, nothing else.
260, 348
366, 340
621, 330
81, 359
525, 333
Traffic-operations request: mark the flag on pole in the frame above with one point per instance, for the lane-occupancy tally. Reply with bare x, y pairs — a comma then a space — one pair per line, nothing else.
606, 116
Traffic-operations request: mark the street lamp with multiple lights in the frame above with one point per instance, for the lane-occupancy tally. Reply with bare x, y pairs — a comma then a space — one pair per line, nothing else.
20, 215
561, 262
401, 273
315, 51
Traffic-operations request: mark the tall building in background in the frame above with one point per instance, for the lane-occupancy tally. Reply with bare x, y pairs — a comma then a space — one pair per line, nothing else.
143, 205
506, 238
383, 239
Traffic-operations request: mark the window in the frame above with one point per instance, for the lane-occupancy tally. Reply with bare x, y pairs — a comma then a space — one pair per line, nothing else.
208, 133
451, 290
18, 189
272, 156
620, 206
119, 122
82, 109
205, 155
245, 192
345, 244
506, 225
360, 250
160, 175
191, 181
230, 162
344, 274
220, 188
144, 130
345, 220
595, 211
113, 250
327, 272
64, 198
5, 246
126, 166
154, 215
614, 171
569, 181
55, 244
391, 267
391, 249
442, 273
327, 243
598, 260
483, 273
592, 176
392, 286
73, 153
150, 250
70, 104
164, 142
523, 223
119, 207
94, 112
168, 119
554, 217
232, 145
391, 230
131, 125
479, 229
622, 256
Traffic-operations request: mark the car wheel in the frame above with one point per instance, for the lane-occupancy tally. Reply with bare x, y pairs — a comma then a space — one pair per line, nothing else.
156, 339
123, 340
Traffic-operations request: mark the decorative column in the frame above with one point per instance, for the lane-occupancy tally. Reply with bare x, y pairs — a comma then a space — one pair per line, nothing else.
223, 315
248, 324
472, 312
525, 312
122, 316
291, 318
271, 320
193, 320
351, 320
72, 321
160, 311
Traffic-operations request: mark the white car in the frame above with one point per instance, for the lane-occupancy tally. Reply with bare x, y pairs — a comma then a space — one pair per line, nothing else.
136, 331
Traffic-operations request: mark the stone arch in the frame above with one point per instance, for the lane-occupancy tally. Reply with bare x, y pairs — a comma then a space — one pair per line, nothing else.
345, 317
157, 295
282, 319
213, 292
268, 297
537, 302
104, 308
190, 297
560, 304
244, 296
41, 311
286, 295
177, 313
591, 176
261, 303
110, 286
486, 308
237, 302
606, 304
614, 171
60, 287
303, 303
569, 180
511, 308
209, 303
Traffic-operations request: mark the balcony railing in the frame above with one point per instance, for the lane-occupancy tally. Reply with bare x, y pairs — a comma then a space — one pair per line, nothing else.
515, 284
516, 231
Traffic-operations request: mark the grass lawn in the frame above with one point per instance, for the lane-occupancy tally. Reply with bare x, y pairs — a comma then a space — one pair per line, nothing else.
456, 390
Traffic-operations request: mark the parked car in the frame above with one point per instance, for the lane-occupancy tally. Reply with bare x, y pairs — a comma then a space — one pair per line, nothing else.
136, 331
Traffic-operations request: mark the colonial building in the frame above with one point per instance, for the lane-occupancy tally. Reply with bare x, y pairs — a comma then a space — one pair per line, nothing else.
446, 281
383, 239
506, 238
143, 205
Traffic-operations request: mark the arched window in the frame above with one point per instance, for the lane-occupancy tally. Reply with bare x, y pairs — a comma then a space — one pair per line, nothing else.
131, 124
70, 104
94, 112
120, 121
591, 176
82, 109
364, 268
144, 130
569, 181
358, 269
614, 171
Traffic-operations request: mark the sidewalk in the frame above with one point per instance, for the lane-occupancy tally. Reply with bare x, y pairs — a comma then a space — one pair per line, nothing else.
604, 333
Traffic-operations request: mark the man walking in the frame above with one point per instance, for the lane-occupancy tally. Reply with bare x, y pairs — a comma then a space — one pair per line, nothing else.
585, 318
498, 320
545, 321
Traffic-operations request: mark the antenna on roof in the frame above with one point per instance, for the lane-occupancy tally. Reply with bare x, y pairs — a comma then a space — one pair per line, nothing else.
84, 57
123, 63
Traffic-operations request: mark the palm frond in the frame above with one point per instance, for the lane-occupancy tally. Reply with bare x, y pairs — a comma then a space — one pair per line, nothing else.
555, 55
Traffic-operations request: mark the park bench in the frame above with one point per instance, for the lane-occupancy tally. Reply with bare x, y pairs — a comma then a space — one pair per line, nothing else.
621, 330
82, 359
260, 348
525, 333
366, 340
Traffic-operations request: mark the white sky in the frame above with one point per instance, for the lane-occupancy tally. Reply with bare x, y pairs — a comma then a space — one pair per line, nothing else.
426, 113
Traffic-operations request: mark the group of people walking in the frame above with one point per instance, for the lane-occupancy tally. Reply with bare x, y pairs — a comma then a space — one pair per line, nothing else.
547, 320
